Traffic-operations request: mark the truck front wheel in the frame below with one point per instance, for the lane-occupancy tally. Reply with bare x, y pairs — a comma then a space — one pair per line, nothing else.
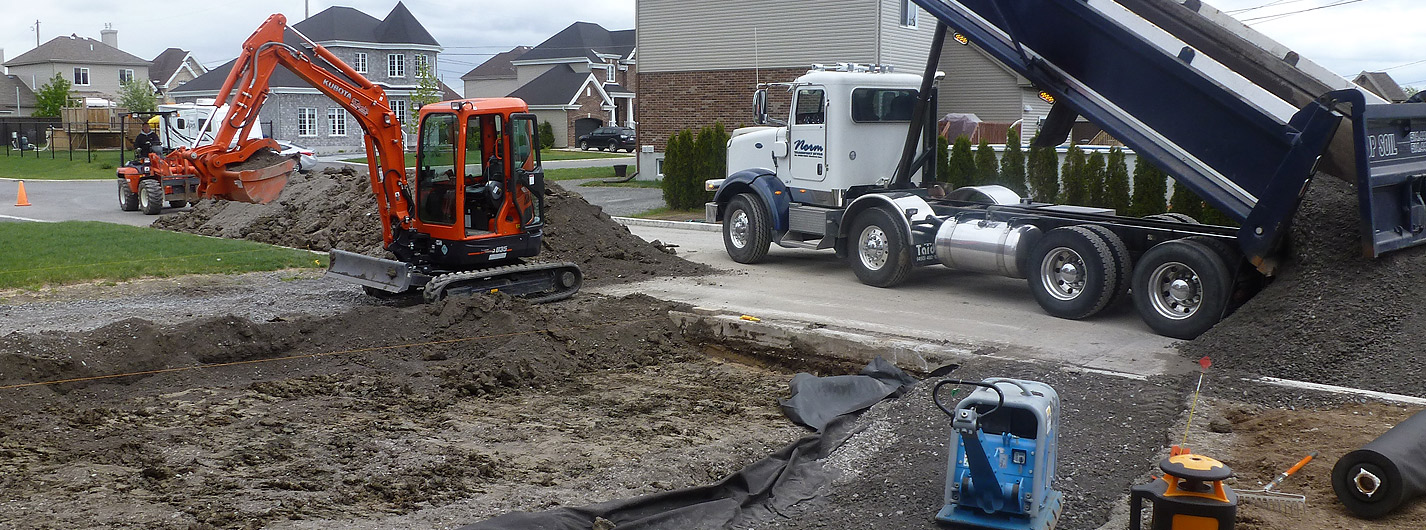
747, 231
880, 254
1074, 272
1181, 288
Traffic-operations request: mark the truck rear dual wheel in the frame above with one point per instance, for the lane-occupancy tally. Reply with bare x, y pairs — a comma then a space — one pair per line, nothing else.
128, 200
1074, 271
747, 229
1181, 288
150, 196
880, 253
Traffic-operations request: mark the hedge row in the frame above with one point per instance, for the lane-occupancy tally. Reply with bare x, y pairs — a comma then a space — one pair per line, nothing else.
691, 159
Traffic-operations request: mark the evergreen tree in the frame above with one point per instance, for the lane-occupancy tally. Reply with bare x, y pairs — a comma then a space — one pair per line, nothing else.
962, 164
547, 135
1012, 164
987, 170
1075, 190
1186, 202
1094, 180
51, 97
679, 170
137, 96
1150, 189
1043, 173
1116, 182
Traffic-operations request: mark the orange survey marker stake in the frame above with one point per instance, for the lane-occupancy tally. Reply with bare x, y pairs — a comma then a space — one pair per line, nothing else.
21, 199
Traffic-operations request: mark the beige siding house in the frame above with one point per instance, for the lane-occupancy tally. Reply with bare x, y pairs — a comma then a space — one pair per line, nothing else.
95, 67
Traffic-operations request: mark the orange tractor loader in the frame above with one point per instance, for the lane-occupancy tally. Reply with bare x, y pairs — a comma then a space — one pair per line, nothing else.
462, 222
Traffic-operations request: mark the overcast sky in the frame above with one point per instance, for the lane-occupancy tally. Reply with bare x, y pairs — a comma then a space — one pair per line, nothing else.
1348, 38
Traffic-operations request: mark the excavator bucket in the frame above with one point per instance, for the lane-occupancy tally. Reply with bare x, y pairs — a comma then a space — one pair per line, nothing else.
257, 179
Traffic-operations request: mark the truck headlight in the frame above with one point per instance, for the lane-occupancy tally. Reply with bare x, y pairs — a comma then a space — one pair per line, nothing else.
712, 184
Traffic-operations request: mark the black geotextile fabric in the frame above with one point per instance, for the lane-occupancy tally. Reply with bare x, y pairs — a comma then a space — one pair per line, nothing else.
1397, 459
756, 493
759, 491
817, 400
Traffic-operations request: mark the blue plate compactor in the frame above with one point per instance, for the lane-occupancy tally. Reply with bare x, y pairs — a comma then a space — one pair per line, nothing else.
1006, 433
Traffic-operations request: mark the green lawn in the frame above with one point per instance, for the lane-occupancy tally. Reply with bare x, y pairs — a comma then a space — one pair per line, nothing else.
545, 155
669, 214
60, 167
33, 255
629, 184
576, 173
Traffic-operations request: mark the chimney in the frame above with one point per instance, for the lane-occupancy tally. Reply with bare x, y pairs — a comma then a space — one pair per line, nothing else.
110, 35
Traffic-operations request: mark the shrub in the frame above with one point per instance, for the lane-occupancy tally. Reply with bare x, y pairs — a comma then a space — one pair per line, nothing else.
1116, 182
962, 164
689, 160
1012, 164
1094, 180
987, 170
1186, 202
943, 159
1150, 189
1043, 173
1075, 190
547, 135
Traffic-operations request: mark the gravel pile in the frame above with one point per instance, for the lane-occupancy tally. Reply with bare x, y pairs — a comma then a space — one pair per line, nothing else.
1332, 316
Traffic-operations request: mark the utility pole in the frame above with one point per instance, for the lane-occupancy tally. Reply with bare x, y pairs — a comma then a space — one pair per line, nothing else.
37, 33
306, 9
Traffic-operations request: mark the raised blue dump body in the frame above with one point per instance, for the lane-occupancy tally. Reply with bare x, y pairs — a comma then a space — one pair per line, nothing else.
1224, 111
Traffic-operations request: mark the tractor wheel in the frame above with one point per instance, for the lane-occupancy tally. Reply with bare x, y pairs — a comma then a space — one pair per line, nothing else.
1181, 288
177, 204
128, 200
880, 254
747, 229
150, 196
1073, 272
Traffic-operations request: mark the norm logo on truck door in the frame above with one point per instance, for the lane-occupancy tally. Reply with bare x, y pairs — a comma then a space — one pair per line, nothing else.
804, 148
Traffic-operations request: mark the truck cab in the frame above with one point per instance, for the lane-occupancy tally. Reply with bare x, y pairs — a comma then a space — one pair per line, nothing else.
844, 128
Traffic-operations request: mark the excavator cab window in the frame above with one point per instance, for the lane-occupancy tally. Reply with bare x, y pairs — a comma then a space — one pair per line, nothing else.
436, 170
484, 170
529, 180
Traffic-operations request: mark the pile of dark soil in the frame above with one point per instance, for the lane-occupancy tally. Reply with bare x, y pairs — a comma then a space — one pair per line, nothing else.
1331, 316
446, 412
334, 208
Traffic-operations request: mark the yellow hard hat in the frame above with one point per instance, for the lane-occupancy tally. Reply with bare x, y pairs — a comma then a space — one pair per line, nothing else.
154, 121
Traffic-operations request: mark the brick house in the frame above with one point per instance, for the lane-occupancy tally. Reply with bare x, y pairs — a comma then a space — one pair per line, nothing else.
700, 60
578, 80
95, 67
171, 69
388, 51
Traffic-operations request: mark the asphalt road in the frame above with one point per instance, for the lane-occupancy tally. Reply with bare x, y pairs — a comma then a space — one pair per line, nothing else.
980, 313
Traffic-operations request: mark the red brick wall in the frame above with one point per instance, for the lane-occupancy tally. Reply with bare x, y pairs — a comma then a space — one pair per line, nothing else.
672, 101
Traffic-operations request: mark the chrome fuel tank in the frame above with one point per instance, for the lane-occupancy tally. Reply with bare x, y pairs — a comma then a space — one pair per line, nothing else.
978, 245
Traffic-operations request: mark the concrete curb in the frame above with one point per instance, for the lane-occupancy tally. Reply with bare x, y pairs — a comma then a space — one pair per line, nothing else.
679, 225
833, 343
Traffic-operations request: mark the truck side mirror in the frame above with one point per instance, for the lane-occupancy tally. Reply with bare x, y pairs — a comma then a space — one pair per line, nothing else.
760, 106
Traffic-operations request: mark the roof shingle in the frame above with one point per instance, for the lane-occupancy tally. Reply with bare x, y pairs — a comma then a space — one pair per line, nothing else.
76, 49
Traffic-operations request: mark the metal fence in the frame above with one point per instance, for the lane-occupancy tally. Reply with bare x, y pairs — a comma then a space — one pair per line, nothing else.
88, 140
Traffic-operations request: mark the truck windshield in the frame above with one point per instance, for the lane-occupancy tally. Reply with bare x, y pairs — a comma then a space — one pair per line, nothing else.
435, 175
882, 104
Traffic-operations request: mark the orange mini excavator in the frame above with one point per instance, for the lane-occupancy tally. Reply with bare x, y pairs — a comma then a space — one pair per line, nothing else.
462, 223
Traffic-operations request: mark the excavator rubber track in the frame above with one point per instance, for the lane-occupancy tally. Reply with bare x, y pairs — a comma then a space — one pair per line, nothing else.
535, 282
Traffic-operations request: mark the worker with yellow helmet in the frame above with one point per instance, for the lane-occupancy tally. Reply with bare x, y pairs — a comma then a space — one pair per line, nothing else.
148, 141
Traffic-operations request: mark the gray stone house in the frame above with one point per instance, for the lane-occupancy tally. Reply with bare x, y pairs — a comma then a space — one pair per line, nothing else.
388, 51
173, 68
578, 80
700, 60
95, 67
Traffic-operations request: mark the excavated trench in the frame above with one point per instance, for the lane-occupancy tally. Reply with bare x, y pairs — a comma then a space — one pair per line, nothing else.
419, 416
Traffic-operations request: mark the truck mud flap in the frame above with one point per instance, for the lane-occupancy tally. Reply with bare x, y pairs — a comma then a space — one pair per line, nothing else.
384, 274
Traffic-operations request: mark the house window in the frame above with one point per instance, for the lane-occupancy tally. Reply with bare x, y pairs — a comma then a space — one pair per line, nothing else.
421, 62
399, 107
611, 74
126, 75
908, 14
336, 122
81, 76
396, 65
306, 122
359, 62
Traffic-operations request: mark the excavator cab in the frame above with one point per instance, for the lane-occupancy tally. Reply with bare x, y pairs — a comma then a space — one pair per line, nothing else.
478, 181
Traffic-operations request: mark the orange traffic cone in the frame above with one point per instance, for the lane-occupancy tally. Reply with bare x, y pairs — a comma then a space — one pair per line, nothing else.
22, 200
